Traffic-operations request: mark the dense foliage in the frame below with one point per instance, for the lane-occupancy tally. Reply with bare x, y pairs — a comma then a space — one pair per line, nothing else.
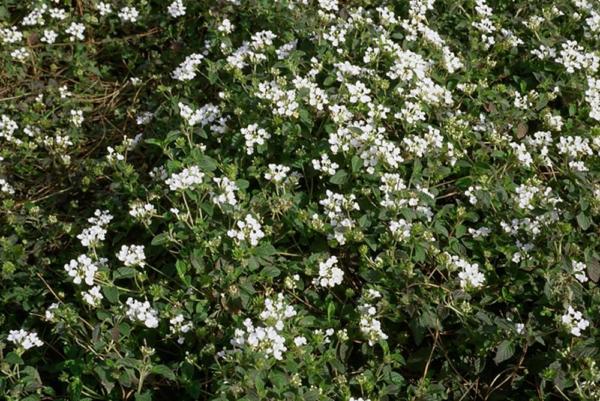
299, 200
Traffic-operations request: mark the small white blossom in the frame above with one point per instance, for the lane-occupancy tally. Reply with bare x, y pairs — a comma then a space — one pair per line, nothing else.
132, 255
142, 312
574, 321
24, 339
329, 274
248, 229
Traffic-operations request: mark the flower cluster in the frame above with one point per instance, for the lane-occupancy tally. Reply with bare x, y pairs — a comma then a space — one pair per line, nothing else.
329, 274
248, 229
24, 339
141, 312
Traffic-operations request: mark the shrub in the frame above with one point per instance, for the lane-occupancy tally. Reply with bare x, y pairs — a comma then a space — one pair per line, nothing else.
299, 200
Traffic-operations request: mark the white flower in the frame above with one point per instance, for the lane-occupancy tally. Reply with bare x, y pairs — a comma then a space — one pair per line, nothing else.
325, 165
104, 8
187, 69
176, 9
142, 312
277, 173
49, 36
49, 314
369, 325
300, 341
266, 339
574, 321
187, 178
254, 136
82, 269
226, 26
128, 14
469, 276
225, 194
329, 274
207, 114
132, 255
248, 229
24, 339
5, 187
93, 296
400, 229
20, 54
141, 210
75, 30
179, 326
579, 271
77, 117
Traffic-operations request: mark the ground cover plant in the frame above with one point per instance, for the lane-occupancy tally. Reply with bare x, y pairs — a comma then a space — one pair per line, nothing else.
359, 200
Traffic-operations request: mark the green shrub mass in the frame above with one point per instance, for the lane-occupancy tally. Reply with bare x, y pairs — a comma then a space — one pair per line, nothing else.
354, 200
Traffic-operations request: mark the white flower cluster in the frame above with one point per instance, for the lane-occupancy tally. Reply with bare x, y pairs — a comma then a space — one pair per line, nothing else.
573, 57
141, 210
266, 338
186, 71
225, 193
325, 165
24, 339
527, 194
77, 117
574, 321
83, 269
132, 255
368, 142
329, 274
469, 275
400, 229
5, 187
93, 235
579, 271
284, 101
248, 230
337, 209
254, 136
419, 146
128, 14
142, 312
592, 97
179, 326
207, 114
75, 30
7, 127
187, 178
226, 26
369, 325
93, 296
176, 9
277, 173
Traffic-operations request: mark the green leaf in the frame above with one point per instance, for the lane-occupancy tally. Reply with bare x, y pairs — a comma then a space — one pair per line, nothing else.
271, 271
593, 270
164, 371
242, 184
124, 272
111, 294
340, 178
265, 250
207, 163
160, 239
357, 163
583, 221
505, 351
13, 359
